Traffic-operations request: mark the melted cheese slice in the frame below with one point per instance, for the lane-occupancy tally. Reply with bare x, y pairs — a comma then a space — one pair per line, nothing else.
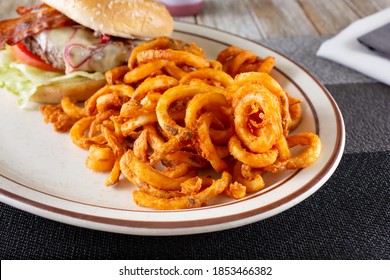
82, 50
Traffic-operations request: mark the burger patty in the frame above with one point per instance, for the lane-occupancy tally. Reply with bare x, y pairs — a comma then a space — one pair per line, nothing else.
53, 58
78, 49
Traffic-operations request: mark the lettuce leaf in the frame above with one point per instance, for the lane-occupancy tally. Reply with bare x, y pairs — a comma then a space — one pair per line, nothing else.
23, 80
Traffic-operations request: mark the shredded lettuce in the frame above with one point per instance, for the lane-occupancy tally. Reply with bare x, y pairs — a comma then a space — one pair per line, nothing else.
23, 80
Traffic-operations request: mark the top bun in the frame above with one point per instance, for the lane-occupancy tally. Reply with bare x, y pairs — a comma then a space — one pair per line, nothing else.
122, 18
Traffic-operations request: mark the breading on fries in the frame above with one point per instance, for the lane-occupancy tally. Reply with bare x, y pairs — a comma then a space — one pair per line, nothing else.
171, 115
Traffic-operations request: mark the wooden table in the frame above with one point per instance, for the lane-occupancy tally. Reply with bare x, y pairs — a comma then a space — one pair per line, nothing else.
260, 19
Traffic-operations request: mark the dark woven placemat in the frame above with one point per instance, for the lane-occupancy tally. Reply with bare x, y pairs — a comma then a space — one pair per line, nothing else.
348, 218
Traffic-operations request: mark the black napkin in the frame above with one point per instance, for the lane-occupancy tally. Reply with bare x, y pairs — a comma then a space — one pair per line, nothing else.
378, 40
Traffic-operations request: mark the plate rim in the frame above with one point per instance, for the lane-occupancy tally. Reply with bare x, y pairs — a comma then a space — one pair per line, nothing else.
182, 227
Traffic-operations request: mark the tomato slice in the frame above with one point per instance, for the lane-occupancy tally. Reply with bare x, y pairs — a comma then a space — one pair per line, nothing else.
24, 55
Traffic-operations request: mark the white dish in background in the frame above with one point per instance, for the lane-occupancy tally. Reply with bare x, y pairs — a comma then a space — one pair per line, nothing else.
44, 173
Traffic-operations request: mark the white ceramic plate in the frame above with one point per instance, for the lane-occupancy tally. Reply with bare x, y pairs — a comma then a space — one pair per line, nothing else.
42, 172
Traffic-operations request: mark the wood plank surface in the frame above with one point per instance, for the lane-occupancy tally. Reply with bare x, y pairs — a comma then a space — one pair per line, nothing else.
259, 19
328, 17
280, 18
365, 8
230, 15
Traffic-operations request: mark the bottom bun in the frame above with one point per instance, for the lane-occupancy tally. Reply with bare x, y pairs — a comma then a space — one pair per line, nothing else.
78, 89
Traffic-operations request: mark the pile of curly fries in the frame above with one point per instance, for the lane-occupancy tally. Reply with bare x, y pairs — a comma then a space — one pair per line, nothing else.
172, 113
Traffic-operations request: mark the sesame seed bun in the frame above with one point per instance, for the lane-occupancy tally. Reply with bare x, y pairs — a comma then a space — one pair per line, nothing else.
122, 18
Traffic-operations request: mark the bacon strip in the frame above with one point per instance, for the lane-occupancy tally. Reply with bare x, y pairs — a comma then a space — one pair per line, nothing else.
32, 21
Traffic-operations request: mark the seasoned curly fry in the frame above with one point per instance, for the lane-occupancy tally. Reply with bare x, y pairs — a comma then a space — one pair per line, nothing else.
207, 148
116, 75
235, 60
272, 85
120, 90
155, 84
303, 160
100, 158
212, 99
187, 201
169, 97
253, 183
256, 160
148, 174
208, 74
143, 71
179, 57
257, 119
78, 130
55, 115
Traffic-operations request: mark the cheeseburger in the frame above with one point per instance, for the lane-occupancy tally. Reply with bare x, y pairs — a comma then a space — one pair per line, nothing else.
63, 48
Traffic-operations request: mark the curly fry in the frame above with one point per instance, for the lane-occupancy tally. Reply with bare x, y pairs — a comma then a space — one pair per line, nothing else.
308, 157
206, 146
181, 57
253, 183
148, 174
187, 201
159, 83
200, 100
256, 160
77, 133
120, 90
208, 74
257, 119
171, 95
116, 75
100, 158
143, 71
273, 86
